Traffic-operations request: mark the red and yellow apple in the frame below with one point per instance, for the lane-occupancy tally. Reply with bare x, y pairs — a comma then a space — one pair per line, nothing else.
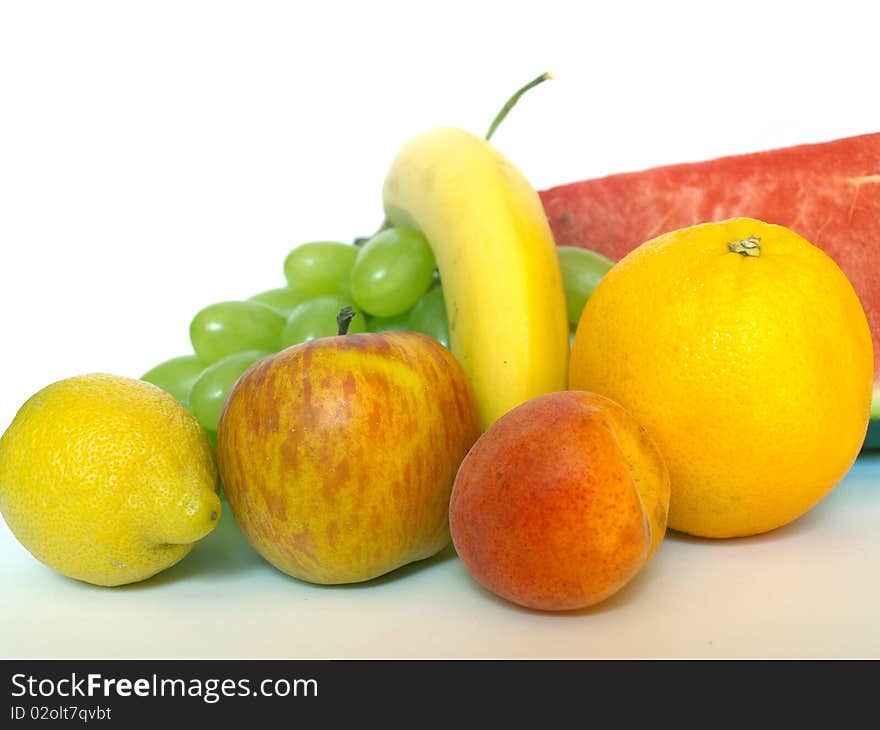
338, 455
560, 503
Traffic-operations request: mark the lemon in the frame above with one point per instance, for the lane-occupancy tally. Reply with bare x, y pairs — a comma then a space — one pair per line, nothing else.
107, 479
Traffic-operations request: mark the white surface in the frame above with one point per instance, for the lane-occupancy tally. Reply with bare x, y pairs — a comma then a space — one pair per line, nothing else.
156, 157
807, 590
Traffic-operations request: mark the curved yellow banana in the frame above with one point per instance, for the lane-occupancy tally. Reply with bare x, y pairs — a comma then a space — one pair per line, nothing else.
505, 301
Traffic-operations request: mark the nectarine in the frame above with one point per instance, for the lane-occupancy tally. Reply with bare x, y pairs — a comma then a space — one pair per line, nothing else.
560, 503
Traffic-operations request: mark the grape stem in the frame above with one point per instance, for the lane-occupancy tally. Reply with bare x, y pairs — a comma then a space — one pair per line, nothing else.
343, 319
361, 240
496, 122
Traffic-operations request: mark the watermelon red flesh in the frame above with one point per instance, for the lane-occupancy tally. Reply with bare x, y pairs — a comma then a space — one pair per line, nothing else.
828, 192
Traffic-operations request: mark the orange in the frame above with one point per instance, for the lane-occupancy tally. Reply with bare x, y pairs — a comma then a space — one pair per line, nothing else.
746, 354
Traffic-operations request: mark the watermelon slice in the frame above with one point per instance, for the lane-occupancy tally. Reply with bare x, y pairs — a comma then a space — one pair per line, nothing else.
828, 192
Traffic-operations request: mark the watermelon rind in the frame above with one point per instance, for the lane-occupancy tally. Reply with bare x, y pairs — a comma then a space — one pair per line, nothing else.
872, 438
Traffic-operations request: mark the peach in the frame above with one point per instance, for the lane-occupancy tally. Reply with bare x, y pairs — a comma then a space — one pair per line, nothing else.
560, 503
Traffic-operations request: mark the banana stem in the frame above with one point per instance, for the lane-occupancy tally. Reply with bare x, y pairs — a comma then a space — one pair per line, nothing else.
505, 110
511, 102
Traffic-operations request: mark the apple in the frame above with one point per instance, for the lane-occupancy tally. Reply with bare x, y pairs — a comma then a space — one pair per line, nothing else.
561, 502
338, 455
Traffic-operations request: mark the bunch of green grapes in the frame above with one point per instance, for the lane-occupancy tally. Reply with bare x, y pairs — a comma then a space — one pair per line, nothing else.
391, 281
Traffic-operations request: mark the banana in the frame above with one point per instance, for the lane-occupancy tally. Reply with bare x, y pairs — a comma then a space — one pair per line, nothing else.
505, 301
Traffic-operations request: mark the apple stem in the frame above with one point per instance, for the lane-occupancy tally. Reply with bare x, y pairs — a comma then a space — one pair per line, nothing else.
511, 102
343, 319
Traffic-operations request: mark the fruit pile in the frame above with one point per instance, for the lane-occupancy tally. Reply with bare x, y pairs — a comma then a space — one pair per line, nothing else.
464, 376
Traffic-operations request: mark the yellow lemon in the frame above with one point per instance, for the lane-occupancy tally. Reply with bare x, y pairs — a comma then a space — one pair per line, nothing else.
107, 479
745, 352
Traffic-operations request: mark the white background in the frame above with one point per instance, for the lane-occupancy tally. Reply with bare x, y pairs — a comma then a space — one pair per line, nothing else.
159, 156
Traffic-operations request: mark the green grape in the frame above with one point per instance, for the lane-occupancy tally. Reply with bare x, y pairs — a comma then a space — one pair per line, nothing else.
226, 327
283, 299
320, 267
581, 272
429, 316
383, 324
392, 272
212, 439
176, 376
316, 318
212, 387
